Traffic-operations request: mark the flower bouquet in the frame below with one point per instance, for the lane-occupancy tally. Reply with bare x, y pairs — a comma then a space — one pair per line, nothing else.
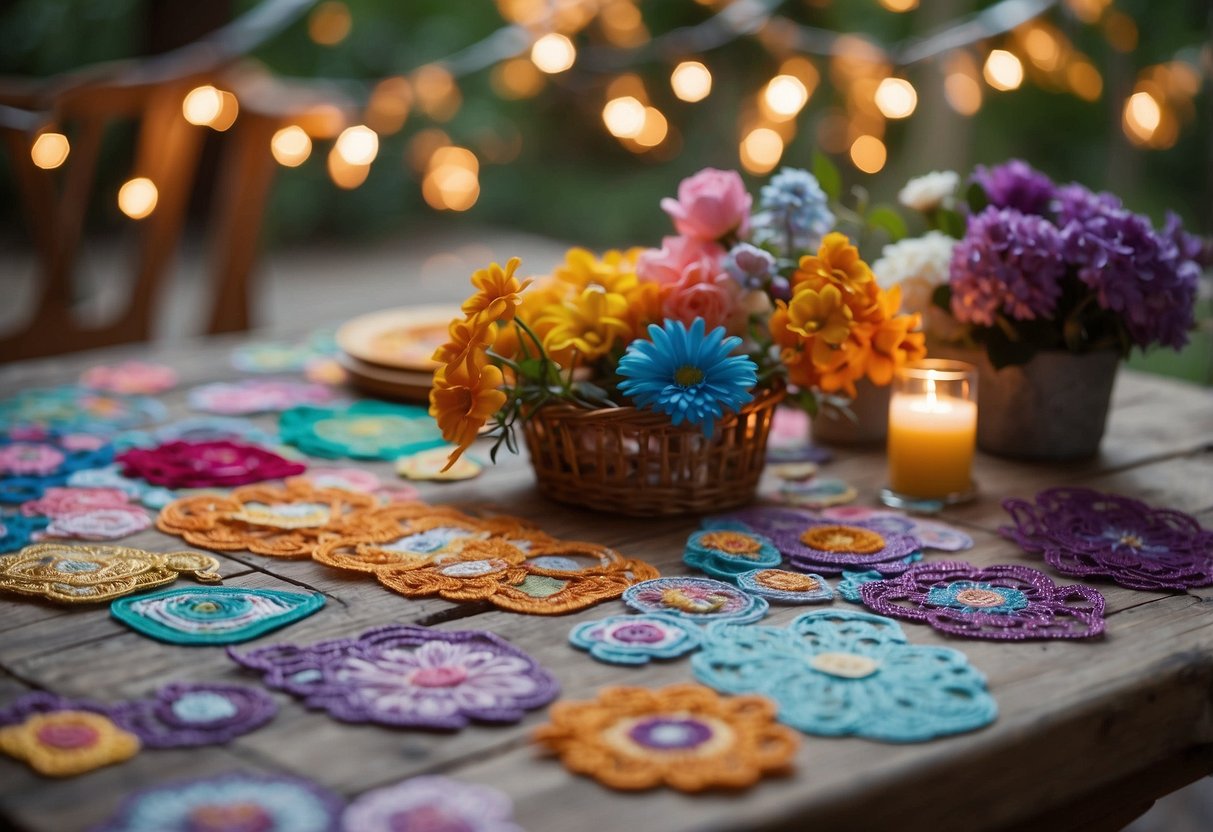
644, 381
1046, 286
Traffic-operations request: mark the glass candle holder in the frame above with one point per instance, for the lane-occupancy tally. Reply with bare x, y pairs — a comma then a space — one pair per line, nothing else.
932, 435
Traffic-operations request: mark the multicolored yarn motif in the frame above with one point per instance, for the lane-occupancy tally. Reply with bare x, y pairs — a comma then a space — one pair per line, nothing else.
111, 476
1088, 533
284, 522
406, 676
198, 429
930, 533
366, 430
64, 743
32, 461
634, 639
848, 673
1006, 602
130, 377
88, 513
235, 802
783, 587
726, 553
701, 600
256, 395
430, 804
188, 714
682, 736
91, 574
71, 408
217, 464
214, 615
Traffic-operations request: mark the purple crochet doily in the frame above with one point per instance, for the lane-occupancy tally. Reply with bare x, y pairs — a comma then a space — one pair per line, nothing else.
1085, 533
185, 714
1006, 602
40, 702
408, 677
785, 526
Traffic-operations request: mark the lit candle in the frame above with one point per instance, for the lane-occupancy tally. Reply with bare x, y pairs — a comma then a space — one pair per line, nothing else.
932, 433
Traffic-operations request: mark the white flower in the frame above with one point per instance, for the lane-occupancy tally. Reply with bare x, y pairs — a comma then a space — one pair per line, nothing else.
919, 265
927, 192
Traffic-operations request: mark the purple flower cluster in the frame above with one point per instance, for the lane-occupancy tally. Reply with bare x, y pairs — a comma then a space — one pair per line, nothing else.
1008, 262
1036, 238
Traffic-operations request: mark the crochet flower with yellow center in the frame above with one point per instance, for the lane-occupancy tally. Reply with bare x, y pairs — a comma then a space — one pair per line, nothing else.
843, 539
281, 521
684, 736
67, 743
92, 573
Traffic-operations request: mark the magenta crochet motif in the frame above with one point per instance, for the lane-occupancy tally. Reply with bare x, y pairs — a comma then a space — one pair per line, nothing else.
221, 463
410, 677
1006, 602
1088, 533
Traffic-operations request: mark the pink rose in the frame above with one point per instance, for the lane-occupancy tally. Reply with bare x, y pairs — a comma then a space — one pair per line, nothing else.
668, 264
693, 282
710, 205
712, 300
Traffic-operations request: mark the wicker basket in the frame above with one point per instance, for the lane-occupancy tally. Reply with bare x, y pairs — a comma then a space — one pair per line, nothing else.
634, 462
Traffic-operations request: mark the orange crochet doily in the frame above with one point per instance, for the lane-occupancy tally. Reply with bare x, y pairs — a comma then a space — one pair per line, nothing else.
684, 736
67, 743
281, 521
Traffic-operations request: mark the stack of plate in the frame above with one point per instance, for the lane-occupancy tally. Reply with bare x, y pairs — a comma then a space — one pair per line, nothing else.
387, 354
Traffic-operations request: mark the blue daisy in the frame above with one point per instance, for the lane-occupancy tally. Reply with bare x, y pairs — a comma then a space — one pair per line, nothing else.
686, 374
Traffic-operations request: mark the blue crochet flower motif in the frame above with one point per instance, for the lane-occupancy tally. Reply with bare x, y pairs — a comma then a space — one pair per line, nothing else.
634, 639
152, 496
686, 374
947, 596
701, 600
848, 673
848, 587
366, 430
726, 553
213, 614
72, 408
783, 586
16, 530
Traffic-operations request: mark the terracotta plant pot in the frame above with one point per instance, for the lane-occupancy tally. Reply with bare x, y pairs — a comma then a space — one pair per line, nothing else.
1055, 407
870, 425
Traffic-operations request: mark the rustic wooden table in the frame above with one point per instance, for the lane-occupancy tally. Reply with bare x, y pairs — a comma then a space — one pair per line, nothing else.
1088, 733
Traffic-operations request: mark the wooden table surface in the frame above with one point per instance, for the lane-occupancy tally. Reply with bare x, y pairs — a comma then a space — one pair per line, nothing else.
1085, 733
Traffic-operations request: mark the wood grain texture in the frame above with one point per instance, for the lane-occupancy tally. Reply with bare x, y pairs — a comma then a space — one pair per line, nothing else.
1087, 733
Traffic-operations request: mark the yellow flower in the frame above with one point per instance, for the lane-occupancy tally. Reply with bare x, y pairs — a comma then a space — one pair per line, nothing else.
588, 325
836, 263
820, 313
614, 272
469, 341
497, 295
463, 402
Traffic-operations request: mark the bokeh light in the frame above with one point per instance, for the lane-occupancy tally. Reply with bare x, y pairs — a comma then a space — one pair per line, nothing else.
357, 145
1003, 71
896, 98
785, 95
691, 81
624, 117
553, 53
291, 146
761, 150
869, 154
50, 150
137, 197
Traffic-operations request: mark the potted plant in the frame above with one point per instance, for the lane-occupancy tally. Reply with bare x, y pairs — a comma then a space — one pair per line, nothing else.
1048, 286
644, 381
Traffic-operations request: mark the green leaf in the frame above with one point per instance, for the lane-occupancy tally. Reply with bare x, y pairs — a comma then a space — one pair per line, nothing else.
531, 369
977, 198
827, 175
949, 222
942, 297
886, 218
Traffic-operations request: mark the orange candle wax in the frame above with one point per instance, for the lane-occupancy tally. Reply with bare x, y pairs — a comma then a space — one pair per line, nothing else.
931, 441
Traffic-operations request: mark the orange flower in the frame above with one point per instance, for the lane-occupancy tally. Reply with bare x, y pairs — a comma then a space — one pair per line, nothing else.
497, 295
893, 345
463, 402
837, 262
469, 341
821, 313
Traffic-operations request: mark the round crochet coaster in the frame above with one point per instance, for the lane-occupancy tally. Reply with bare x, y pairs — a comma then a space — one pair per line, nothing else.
130, 377
214, 614
430, 804
685, 737
843, 673
430, 465
110, 476
36, 461
411, 677
634, 639
930, 533
236, 802
1088, 533
88, 513
783, 587
726, 553
64, 743
818, 492
71, 408
701, 600
187, 714
217, 464
1007, 602
90, 573
256, 395
366, 430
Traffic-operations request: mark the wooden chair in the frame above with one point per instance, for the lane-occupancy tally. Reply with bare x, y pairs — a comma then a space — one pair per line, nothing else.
85, 103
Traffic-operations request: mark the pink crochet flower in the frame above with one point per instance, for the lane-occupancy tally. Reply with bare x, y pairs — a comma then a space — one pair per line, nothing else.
99, 524
710, 205
131, 377
58, 502
29, 459
206, 464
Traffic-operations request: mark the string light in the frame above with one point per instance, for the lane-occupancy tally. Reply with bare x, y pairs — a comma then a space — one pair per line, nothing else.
654, 130
389, 106
291, 146
1142, 116
357, 145
345, 175
1003, 71
516, 78
137, 197
785, 96
869, 154
452, 181
202, 105
553, 53
624, 117
437, 94
691, 81
50, 150
1084, 79
330, 23
761, 150
896, 98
